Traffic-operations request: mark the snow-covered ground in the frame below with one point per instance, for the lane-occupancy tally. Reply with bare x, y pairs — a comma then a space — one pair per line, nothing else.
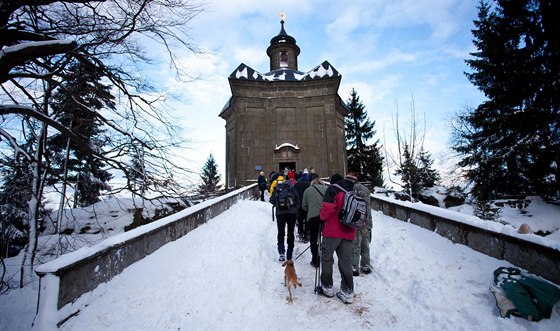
225, 275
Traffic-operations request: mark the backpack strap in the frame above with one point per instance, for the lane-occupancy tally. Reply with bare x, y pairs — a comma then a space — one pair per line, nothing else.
315, 187
340, 187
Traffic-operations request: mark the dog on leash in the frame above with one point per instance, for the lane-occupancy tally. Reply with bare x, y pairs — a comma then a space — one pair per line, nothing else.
290, 277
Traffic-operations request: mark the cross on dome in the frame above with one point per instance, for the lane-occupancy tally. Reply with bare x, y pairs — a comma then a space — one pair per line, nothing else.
282, 16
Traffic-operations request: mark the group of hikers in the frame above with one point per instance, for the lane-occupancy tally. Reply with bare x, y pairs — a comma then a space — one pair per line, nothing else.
306, 200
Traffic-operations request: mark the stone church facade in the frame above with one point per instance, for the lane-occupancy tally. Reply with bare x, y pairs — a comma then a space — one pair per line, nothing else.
283, 118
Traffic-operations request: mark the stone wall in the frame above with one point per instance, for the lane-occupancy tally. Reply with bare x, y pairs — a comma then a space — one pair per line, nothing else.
264, 115
66, 278
537, 259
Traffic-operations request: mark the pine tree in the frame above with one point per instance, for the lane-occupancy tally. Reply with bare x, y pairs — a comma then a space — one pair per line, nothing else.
363, 158
15, 193
75, 104
137, 170
427, 176
210, 177
409, 173
511, 142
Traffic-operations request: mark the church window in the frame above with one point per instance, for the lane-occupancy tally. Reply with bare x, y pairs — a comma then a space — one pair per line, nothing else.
283, 59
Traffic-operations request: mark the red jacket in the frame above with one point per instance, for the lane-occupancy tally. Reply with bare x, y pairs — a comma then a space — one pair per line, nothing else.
330, 208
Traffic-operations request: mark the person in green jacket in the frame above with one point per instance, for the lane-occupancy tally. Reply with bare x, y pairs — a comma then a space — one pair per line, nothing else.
361, 259
311, 202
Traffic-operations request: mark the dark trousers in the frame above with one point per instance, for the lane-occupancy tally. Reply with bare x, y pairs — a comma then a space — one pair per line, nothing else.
282, 220
262, 195
301, 220
313, 225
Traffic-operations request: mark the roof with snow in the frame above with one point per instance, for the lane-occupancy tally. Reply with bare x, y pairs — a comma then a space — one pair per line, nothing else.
322, 71
286, 145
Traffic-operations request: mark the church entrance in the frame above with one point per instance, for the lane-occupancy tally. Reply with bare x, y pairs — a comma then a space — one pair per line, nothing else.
283, 165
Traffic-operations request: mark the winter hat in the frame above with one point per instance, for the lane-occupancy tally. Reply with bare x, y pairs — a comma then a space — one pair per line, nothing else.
336, 178
291, 175
305, 171
352, 176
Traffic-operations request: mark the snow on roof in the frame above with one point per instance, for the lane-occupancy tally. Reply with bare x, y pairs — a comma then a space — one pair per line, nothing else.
323, 70
286, 145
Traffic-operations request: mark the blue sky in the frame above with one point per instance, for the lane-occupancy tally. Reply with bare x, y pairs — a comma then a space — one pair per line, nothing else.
391, 52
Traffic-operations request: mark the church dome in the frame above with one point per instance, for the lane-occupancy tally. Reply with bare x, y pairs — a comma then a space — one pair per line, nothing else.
283, 51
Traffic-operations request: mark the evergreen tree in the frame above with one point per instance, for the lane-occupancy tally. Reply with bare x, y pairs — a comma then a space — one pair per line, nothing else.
137, 170
511, 142
427, 176
409, 173
363, 158
75, 104
15, 193
416, 173
210, 177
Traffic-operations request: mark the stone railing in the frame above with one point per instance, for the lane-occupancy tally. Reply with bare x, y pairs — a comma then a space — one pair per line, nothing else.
65, 279
538, 258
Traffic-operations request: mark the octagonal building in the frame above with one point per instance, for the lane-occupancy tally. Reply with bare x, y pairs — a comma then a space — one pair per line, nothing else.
283, 118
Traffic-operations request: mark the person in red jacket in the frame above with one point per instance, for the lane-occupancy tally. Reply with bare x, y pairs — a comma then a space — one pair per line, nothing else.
336, 238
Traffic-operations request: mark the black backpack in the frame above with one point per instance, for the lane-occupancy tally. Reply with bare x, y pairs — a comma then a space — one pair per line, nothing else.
284, 196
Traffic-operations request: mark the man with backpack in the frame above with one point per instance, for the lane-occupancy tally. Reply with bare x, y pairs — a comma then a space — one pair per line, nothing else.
337, 238
361, 259
301, 185
286, 202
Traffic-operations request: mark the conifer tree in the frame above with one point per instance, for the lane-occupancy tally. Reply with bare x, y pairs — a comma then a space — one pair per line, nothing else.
427, 176
210, 177
15, 192
363, 158
409, 172
510, 143
75, 103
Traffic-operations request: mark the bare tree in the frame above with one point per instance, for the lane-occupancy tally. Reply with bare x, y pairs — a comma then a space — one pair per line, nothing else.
406, 160
41, 39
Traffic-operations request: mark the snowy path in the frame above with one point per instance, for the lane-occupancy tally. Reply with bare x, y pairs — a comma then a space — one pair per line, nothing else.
225, 276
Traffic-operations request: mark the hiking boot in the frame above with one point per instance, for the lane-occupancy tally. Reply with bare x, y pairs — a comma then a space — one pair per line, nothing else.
355, 272
282, 257
325, 291
347, 298
366, 270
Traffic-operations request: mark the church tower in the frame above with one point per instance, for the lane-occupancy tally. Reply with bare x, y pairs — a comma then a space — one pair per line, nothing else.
283, 51
283, 118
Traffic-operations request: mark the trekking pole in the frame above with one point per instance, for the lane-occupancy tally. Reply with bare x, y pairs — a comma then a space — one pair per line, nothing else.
272, 213
302, 252
317, 269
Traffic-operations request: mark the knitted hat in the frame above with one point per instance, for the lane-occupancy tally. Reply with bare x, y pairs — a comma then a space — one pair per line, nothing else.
352, 176
291, 175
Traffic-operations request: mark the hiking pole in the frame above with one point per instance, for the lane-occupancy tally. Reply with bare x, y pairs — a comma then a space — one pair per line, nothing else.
317, 269
272, 213
302, 252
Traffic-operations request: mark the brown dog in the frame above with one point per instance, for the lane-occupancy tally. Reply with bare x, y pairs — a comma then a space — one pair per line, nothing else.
290, 277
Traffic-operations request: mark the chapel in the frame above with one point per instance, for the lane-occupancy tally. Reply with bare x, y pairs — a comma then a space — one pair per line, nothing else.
283, 118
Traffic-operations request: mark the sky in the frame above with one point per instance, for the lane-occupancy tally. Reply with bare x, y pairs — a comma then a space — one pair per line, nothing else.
225, 275
394, 53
